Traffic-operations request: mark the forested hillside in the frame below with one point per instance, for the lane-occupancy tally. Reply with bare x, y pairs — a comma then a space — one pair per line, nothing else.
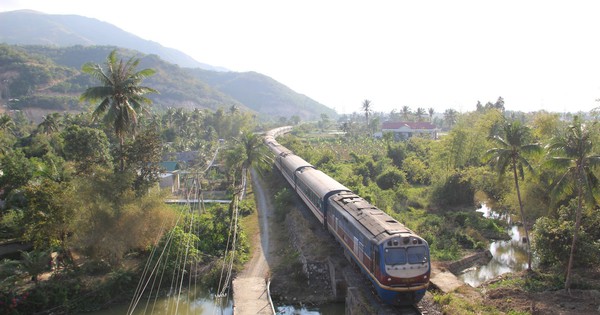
71, 30
70, 41
50, 78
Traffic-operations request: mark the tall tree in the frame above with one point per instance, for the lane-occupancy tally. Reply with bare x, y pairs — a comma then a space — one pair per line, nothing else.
431, 111
249, 151
510, 154
405, 112
450, 117
86, 147
6, 123
366, 108
121, 96
50, 123
572, 152
420, 113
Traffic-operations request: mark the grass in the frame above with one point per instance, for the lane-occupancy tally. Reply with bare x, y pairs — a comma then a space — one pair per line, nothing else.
530, 282
464, 302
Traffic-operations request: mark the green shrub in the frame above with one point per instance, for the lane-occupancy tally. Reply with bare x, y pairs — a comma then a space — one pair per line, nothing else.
390, 178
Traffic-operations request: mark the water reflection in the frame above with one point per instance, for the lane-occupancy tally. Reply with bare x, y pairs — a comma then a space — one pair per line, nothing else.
508, 256
187, 303
204, 303
333, 309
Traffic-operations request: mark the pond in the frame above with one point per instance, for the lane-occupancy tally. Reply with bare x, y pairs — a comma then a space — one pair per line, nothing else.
508, 255
204, 303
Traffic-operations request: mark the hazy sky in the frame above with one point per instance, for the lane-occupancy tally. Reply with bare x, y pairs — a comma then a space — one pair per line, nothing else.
441, 54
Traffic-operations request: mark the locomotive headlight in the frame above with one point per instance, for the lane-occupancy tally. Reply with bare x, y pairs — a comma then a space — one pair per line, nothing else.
389, 279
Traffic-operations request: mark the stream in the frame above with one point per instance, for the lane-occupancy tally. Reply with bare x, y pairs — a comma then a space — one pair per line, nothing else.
204, 303
508, 255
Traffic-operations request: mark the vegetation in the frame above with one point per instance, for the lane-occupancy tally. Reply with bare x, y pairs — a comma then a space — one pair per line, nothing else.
86, 216
50, 78
576, 159
121, 96
510, 153
84, 194
433, 186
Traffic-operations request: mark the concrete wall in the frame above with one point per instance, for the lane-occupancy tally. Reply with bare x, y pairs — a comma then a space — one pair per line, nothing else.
480, 258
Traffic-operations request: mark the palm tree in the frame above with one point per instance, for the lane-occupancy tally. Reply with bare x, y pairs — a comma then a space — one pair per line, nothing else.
248, 152
6, 123
405, 112
431, 111
450, 117
121, 96
420, 113
50, 123
366, 107
572, 151
510, 153
35, 263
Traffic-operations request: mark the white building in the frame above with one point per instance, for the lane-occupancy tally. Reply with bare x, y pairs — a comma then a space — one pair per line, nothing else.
406, 129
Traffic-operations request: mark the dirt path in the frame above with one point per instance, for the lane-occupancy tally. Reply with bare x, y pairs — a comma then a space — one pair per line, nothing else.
250, 286
258, 266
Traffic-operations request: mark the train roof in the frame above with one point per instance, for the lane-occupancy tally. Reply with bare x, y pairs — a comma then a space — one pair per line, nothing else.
321, 183
378, 223
294, 162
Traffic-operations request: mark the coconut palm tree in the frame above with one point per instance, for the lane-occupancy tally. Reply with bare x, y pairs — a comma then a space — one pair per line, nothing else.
405, 112
121, 96
420, 113
50, 123
510, 154
431, 111
450, 117
366, 107
6, 123
572, 152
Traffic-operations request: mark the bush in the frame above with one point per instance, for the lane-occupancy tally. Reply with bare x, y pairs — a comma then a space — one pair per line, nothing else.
454, 191
390, 178
553, 237
246, 207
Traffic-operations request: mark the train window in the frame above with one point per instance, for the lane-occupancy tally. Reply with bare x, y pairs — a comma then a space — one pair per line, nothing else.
395, 256
417, 255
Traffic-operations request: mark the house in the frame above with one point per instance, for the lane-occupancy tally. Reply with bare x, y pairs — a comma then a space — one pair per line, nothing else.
169, 178
407, 129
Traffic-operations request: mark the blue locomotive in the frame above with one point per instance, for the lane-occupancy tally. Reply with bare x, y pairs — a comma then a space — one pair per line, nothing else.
394, 258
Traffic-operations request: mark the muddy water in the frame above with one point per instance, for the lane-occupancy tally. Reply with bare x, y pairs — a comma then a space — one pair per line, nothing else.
333, 309
205, 304
508, 255
197, 304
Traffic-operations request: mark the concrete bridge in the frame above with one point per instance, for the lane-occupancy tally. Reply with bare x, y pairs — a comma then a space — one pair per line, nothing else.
251, 297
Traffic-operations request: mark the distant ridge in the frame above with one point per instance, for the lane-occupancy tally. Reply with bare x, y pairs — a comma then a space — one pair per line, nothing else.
58, 45
28, 27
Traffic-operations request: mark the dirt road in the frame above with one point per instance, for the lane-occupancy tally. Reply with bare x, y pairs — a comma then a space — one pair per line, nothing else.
258, 265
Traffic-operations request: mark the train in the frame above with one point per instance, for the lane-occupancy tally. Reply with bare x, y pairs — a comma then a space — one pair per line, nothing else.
395, 259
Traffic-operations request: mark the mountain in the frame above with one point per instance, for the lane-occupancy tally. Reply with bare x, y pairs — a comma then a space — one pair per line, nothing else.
263, 93
50, 78
63, 43
26, 27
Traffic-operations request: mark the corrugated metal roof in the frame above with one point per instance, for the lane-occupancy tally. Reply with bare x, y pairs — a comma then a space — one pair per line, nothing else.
377, 222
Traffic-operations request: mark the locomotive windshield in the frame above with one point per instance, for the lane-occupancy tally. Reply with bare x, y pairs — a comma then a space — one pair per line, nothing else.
417, 255
401, 255
395, 256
